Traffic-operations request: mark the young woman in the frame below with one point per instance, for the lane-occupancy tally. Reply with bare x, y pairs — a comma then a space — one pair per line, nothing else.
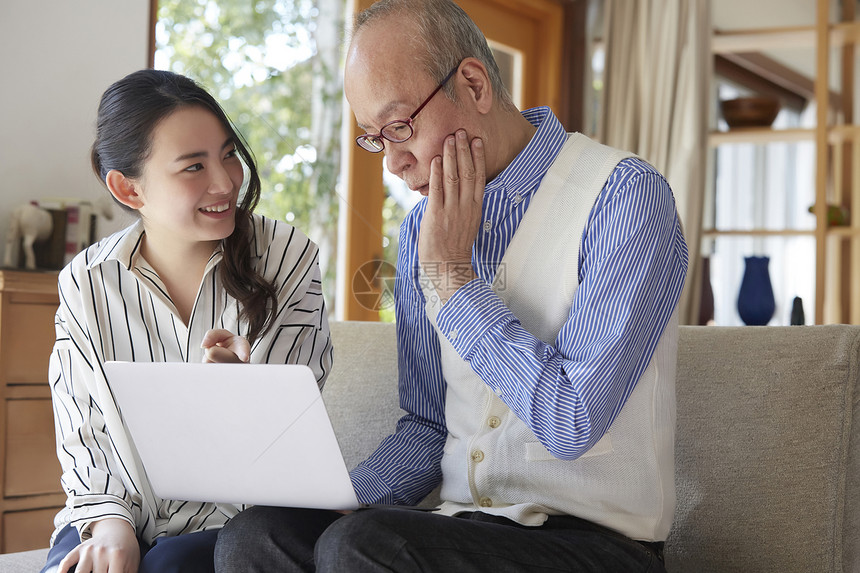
197, 278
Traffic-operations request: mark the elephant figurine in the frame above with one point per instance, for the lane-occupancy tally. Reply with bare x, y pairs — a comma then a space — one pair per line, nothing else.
29, 223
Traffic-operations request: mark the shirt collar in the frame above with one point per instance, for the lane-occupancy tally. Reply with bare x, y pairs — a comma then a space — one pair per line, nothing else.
124, 247
527, 169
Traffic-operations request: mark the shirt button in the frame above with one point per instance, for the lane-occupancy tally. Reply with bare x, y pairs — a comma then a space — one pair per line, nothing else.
494, 422
518, 199
487, 226
486, 502
477, 456
453, 335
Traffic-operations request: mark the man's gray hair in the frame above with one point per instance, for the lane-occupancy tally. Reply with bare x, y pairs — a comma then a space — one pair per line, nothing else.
446, 33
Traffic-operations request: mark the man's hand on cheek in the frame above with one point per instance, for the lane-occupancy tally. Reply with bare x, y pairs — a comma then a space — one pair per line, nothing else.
453, 214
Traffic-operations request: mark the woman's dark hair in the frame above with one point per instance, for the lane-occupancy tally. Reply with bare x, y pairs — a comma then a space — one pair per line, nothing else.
129, 111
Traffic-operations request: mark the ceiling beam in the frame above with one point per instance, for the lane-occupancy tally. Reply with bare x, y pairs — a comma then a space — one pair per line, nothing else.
766, 76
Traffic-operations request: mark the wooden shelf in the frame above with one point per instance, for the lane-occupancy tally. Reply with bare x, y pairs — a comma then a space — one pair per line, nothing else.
836, 166
844, 34
836, 134
843, 133
758, 233
847, 232
760, 135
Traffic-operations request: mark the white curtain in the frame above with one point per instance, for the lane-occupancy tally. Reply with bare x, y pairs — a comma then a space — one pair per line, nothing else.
655, 103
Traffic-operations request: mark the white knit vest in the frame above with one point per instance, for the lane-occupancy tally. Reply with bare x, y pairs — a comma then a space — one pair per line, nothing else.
492, 460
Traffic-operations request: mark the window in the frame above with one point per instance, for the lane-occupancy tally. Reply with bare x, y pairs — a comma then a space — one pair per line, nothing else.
275, 66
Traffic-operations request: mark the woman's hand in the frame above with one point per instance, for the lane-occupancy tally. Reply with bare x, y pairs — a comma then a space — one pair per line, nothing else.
112, 548
223, 346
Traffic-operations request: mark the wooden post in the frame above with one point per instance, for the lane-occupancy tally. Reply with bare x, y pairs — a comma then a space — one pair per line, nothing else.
822, 61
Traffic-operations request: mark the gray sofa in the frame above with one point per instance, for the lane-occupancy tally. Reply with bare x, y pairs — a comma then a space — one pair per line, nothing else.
768, 442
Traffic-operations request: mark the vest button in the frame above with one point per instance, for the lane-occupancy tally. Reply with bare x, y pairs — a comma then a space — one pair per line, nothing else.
477, 456
486, 502
494, 422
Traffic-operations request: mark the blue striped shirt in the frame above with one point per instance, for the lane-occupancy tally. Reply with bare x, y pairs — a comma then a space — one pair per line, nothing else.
631, 269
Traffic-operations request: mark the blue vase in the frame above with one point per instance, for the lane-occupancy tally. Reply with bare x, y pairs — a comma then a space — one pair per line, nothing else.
756, 304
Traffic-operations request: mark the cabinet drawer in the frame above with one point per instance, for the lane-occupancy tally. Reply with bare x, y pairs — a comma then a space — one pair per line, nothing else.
27, 339
26, 530
32, 466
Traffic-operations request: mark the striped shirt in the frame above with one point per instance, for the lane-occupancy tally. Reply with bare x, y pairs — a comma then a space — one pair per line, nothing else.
114, 306
631, 268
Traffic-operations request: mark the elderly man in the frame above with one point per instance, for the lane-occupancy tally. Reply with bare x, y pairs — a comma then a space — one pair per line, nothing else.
535, 305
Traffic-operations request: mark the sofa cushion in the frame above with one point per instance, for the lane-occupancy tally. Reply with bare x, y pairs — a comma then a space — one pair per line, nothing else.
361, 390
763, 448
23, 561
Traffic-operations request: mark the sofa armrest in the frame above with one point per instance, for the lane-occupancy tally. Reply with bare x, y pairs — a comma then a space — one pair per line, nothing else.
767, 451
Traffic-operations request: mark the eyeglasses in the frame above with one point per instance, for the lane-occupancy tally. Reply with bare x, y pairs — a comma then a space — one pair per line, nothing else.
399, 130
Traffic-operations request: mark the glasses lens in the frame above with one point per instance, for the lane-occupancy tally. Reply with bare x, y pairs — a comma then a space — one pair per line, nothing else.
371, 143
397, 131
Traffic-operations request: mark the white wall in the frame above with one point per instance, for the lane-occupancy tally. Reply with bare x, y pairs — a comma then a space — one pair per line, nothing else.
58, 58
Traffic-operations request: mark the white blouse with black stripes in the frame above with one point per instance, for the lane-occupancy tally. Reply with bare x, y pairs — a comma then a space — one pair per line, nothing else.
114, 306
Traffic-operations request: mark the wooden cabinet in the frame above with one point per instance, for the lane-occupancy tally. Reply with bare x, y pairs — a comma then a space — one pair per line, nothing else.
30, 493
833, 38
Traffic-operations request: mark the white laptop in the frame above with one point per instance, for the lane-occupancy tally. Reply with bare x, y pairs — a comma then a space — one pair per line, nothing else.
234, 433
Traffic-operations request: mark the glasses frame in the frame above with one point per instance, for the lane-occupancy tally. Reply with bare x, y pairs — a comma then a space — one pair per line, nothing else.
364, 141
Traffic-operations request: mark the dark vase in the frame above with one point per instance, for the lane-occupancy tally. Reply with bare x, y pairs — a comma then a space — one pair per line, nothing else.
797, 316
706, 300
756, 304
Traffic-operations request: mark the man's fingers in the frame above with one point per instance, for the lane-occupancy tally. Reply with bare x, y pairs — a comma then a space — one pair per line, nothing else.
436, 192
480, 171
451, 170
465, 168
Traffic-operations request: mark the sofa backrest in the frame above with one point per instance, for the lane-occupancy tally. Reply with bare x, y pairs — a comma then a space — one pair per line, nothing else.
361, 391
767, 459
